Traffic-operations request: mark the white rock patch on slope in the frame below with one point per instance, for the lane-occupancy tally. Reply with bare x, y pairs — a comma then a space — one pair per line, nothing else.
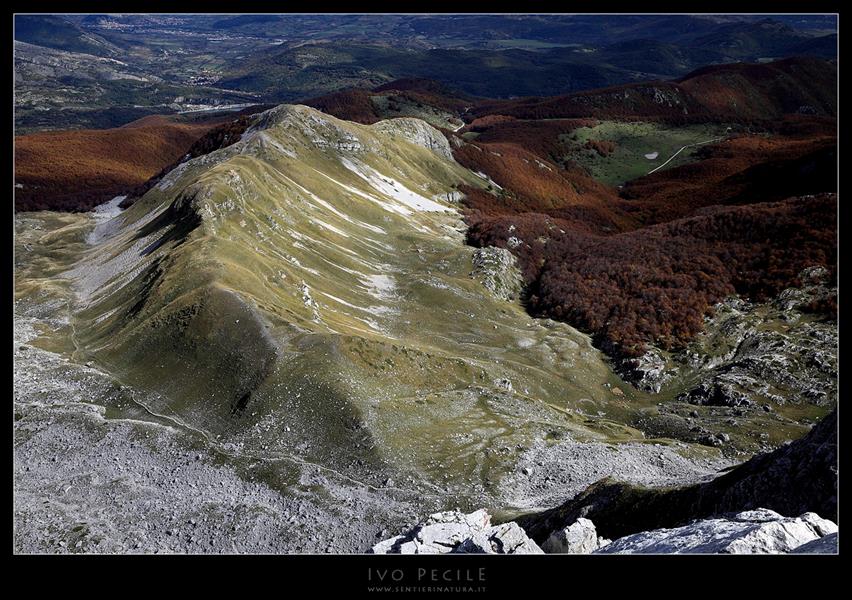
103, 216
417, 132
394, 189
402, 210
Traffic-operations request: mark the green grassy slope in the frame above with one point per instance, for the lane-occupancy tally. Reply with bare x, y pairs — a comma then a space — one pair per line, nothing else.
632, 142
307, 291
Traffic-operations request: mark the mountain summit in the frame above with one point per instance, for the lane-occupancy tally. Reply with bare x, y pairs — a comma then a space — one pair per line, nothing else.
307, 291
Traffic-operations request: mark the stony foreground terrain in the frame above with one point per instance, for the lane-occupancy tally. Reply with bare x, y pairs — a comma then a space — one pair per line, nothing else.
758, 531
86, 483
724, 515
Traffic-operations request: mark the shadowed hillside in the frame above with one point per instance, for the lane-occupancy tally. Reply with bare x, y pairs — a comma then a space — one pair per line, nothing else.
422, 98
794, 479
739, 92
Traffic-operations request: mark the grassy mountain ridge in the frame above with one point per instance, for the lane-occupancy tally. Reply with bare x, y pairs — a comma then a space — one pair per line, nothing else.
281, 282
542, 171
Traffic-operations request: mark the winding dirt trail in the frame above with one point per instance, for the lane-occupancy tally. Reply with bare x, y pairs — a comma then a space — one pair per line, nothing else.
682, 148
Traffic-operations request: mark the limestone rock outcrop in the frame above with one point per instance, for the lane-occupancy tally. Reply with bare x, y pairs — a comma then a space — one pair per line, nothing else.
760, 531
458, 533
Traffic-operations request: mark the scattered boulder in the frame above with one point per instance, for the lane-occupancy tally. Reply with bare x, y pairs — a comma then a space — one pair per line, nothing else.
458, 533
578, 538
513, 242
715, 393
647, 372
759, 531
717, 440
503, 384
497, 269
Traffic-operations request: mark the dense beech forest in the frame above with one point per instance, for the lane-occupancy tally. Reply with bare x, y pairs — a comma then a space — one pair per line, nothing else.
656, 284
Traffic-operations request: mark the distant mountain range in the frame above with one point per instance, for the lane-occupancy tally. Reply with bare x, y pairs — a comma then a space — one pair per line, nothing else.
286, 58
287, 72
470, 30
740, 91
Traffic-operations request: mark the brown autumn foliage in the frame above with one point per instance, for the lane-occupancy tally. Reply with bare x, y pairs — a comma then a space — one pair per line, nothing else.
734, 93
77, 170
427, 92
533, 184
542, 138
602, 147
647, 265
740, 170
765, 91
657, 283
480, 124
628, 102
356, 104
804, 126
220, 136
351, 105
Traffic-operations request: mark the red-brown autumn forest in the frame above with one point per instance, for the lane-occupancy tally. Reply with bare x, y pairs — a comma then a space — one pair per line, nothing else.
78, 169
632, 265
646, 263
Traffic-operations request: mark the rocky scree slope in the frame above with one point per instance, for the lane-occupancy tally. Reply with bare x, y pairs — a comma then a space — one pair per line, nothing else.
95, 471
